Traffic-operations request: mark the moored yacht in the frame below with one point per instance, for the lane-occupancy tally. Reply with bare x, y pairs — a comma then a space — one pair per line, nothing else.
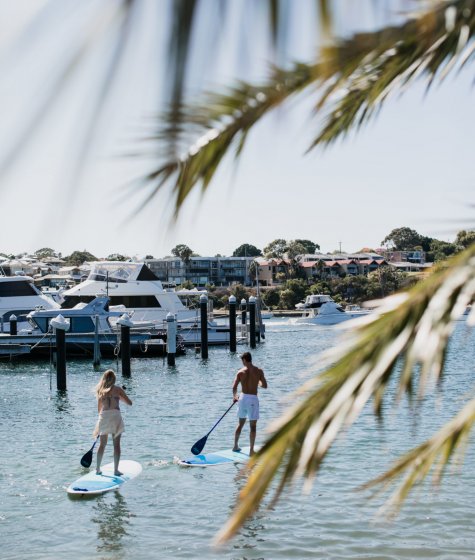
133, 287
19, 296
321, 309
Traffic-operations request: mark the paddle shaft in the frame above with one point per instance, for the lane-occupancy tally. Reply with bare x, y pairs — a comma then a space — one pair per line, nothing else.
234, 402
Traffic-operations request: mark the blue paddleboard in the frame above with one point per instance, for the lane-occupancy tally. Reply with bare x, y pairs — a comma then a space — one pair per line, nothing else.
222, 457
92, 484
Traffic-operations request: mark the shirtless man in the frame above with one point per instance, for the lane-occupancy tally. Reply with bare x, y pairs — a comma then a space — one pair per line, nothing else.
250, 377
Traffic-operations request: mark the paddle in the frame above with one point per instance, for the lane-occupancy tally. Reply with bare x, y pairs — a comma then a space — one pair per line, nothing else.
87, 457
198, 447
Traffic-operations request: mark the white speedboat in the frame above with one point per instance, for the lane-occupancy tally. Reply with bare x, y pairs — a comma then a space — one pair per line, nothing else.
19, 296
321, 309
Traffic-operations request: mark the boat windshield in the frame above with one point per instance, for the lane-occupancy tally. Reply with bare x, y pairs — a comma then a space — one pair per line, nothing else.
114, 272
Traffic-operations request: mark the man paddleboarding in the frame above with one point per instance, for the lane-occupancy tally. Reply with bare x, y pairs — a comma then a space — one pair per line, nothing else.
250, 377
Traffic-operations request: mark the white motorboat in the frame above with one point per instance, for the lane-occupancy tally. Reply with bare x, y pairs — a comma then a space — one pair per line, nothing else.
19, 296
95, 320
133, 288
321, 309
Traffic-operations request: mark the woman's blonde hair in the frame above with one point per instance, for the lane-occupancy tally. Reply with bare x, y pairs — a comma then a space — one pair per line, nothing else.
105, 384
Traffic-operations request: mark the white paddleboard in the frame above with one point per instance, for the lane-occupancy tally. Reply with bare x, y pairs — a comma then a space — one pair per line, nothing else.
92, 484
223, 457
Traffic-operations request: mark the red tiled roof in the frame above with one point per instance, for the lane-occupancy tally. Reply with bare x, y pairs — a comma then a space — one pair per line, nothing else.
371, 261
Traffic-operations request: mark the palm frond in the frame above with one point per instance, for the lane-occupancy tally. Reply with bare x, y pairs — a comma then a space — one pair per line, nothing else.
433, 454
223, 125
414, 331
356, 76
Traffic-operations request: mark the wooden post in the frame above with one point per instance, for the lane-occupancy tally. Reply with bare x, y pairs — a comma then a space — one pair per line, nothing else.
252, 321
97, 345
60, 325
13, 325
125, 324
204, 325
243, 312
232, 323
171, 339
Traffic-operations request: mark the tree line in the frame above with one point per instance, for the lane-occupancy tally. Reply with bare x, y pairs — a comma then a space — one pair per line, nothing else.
399, 239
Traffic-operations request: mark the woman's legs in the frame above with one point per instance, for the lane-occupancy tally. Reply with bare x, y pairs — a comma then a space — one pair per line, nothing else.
116, 441
100, 452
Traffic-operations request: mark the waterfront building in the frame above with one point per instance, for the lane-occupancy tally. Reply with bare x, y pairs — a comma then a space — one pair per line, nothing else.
272, 271
327, 265
219, 271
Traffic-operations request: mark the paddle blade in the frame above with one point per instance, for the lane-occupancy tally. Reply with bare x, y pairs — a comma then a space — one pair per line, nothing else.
87, 459
198, 447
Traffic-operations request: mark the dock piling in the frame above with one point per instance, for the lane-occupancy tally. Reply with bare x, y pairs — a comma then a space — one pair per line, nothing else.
171, 339
204, 325
13, 325
232, 323
97, 346
60, 325
252, 321
243, 311
125, 324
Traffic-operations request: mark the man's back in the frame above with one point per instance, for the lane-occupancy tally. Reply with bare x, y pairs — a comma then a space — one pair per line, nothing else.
249, 377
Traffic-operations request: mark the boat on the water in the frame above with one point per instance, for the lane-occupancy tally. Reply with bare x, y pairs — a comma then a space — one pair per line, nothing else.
89, 324
322, 309
19, 296
134, 289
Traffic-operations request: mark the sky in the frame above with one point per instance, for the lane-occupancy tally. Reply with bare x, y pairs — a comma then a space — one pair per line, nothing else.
412, 166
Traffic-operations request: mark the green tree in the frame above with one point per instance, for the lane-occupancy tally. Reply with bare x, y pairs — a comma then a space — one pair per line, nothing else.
77, 258
271, 297
276, 249
44, 253
239, 292
440, 250
293, 249
183, 252
293, 291
310, 246
117, 257
465, 238
247, 250
403, 239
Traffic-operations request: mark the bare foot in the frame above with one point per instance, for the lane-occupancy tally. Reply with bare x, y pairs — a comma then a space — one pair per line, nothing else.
118, 473
98, 471
236, 449
251, 452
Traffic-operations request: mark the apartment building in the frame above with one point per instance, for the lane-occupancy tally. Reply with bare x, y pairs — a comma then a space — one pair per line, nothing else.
219, 271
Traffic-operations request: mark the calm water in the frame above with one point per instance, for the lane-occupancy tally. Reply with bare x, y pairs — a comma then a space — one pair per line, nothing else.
174, 512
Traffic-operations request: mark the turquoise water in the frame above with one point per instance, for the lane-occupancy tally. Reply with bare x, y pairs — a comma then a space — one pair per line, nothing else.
174, 512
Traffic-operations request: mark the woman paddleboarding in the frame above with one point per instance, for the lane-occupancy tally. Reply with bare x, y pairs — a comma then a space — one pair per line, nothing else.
110, 419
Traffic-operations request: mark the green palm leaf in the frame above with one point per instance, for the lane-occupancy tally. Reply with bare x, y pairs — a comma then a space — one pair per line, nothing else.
353, 77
